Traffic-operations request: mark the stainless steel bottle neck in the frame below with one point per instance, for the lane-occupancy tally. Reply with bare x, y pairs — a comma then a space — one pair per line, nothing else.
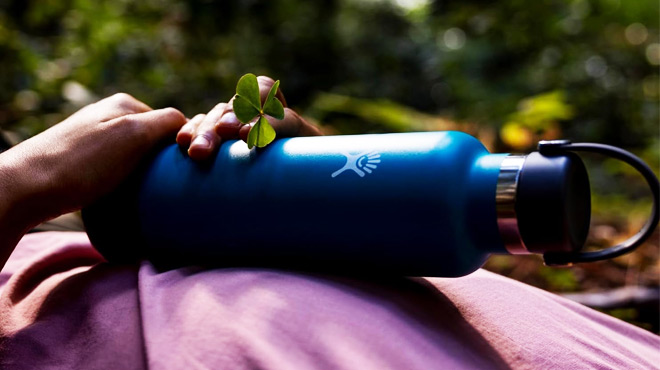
505, 198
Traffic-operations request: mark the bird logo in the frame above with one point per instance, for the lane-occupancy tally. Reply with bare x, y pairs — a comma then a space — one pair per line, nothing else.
361, 164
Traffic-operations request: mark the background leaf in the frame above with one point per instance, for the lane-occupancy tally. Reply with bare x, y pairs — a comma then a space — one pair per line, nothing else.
261, 134
248, 87
244, 110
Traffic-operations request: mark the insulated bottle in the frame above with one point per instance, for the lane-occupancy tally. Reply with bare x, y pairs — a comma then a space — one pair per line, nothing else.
431, 204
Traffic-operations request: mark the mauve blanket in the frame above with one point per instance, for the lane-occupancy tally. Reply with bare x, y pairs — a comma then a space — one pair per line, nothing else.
62, 307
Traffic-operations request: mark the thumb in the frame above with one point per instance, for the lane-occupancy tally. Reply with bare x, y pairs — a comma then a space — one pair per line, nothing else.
161, 123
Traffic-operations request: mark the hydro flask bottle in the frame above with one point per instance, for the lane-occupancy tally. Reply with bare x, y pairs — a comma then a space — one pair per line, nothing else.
431, 204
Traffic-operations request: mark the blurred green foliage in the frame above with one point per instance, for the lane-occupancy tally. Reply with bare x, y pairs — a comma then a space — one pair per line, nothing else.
559, 279
536, 115
470, 61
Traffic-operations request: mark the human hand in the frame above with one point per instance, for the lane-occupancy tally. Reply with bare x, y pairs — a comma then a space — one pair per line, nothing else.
78, 160
205, 132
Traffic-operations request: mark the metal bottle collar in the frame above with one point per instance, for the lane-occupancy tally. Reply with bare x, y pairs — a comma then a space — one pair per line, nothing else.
505, 199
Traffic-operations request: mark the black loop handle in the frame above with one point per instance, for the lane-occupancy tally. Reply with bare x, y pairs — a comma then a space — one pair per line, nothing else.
557, 147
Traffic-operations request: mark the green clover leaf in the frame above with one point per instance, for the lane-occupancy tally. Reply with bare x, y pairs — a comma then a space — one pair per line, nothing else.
247, 106
261, 134
244, 111
273, 107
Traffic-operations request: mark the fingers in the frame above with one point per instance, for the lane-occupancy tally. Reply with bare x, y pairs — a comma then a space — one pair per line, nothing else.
199, 136
185, 135
204, 133
292, 125
204, 140
229, 127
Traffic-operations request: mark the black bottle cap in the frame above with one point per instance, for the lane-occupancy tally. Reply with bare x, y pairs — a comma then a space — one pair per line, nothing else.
553, 203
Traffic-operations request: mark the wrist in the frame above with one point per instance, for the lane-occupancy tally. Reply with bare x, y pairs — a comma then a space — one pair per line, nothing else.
19, 196
13, 224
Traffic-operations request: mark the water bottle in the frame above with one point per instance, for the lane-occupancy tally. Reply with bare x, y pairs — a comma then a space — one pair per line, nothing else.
416, 204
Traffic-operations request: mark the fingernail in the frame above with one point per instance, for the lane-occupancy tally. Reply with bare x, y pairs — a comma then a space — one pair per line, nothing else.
201, 142
229, 118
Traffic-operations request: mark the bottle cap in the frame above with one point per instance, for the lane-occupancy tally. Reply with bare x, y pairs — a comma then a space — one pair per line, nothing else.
553, 203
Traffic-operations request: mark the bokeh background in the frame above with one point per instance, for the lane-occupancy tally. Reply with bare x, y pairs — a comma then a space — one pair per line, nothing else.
510, 72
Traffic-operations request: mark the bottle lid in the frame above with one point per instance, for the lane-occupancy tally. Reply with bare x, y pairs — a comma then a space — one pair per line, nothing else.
553, 203
544, 206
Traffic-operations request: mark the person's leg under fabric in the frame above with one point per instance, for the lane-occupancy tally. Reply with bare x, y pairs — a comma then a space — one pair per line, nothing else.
256, 318
61, 307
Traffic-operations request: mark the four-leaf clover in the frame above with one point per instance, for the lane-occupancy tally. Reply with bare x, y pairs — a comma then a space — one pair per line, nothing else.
247, 106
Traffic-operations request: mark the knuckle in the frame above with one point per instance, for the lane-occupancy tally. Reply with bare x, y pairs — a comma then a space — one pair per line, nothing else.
207, 135
291, 114
198, 117
124, 101
173, 114
122, 98
265, 80
220, 106
129, 126
122, 121
217, 110
207, 128
187, 128
230, 104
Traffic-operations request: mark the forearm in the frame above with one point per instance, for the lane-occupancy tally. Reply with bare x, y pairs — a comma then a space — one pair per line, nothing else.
19, 208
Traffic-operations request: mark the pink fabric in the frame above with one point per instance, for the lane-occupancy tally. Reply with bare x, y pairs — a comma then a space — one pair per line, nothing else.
62, 307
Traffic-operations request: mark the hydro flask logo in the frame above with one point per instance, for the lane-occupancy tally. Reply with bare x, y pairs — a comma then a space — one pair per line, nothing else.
359, 163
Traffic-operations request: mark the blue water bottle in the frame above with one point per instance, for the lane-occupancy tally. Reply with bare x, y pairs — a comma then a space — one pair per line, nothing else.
432, 204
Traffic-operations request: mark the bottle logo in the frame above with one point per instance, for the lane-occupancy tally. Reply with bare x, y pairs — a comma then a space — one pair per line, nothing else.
363, 163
